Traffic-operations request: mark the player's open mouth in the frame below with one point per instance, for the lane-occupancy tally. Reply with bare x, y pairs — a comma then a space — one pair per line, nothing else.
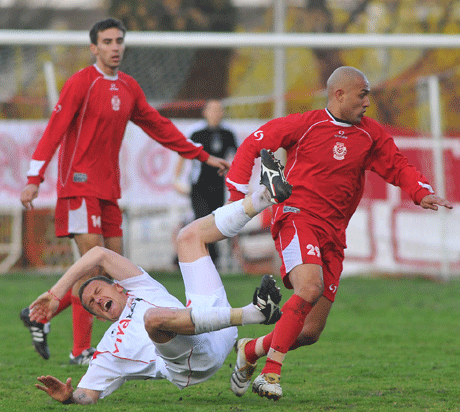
108, 305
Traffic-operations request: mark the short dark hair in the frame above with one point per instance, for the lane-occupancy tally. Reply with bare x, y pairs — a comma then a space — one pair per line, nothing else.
86, 283
104, 25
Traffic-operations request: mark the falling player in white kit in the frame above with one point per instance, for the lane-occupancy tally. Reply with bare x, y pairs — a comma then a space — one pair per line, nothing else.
153, 335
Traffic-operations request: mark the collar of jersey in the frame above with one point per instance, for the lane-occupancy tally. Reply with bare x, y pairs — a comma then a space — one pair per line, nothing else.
337, 121
105, 75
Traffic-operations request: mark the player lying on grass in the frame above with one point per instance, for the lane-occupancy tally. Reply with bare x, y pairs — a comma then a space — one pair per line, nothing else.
153, 335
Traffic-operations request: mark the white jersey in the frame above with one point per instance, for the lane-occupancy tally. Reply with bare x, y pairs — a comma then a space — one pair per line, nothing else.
126, 351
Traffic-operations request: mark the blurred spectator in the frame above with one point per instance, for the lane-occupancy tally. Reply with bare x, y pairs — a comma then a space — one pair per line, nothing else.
207, 191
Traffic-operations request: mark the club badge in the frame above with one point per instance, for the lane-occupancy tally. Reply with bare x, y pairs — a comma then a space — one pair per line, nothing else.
115, 103
339, 151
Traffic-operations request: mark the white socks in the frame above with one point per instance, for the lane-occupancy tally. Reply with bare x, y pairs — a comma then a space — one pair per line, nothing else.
231, 218
261, 199
208, 319
252, 315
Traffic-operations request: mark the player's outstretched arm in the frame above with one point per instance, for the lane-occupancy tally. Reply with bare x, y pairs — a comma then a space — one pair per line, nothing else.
64, 393
43, 308
432, 202
221, 164
118, 267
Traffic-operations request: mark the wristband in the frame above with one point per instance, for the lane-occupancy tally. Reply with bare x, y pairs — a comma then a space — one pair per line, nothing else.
54, 296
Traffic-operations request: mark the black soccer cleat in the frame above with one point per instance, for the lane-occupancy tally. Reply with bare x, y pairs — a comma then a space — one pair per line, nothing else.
38, 332
272, 177
266, 299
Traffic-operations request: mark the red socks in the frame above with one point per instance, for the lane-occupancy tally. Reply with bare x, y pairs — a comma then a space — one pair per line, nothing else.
64, 303
250, 348
82, 322
250, 351
283, 337
287, 329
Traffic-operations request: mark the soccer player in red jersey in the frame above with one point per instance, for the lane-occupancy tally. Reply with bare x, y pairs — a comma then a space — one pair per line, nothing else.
88, 123
328, 152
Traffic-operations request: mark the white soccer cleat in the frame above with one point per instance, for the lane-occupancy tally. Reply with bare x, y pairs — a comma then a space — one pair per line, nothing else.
272, 177
267, 385
243, 371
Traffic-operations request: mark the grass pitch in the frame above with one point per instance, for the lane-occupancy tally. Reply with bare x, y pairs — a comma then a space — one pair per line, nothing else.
390, 345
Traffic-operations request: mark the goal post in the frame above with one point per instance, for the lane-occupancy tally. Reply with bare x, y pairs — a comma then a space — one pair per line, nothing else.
233, 40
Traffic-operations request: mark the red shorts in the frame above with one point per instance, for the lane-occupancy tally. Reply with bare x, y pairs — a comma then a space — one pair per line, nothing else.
79, 215
299, 242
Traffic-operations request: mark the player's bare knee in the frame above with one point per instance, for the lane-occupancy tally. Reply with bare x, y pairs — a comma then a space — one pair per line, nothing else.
307, 280
187, 236
311, 292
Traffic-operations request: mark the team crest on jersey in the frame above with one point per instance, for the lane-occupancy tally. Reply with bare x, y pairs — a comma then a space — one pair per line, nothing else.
115, 103
339, 151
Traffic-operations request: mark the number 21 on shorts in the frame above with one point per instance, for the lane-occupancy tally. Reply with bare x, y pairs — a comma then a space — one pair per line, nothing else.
313, 250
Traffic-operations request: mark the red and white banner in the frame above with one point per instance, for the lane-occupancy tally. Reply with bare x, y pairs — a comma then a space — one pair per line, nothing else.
387, 234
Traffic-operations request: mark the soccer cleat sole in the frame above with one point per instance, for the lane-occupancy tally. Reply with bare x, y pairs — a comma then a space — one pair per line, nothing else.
266, 299
269, 284
271, 169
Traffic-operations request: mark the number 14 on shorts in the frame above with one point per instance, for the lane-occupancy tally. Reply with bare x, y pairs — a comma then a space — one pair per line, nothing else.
96, 220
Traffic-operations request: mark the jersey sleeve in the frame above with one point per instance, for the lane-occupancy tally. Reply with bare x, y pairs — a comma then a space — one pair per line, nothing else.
162, 129
388, 162
277, 133
104, 375
68, 105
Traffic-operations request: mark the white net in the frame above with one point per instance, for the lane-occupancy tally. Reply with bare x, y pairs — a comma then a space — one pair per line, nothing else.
161, 72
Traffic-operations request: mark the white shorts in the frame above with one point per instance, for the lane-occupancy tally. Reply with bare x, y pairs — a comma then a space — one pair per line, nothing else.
195, 358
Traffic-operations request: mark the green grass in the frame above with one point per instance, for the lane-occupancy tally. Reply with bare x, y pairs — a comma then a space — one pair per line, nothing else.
390, 345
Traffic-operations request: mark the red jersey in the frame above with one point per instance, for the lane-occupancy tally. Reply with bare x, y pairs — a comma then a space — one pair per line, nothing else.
89, 123
326, 164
